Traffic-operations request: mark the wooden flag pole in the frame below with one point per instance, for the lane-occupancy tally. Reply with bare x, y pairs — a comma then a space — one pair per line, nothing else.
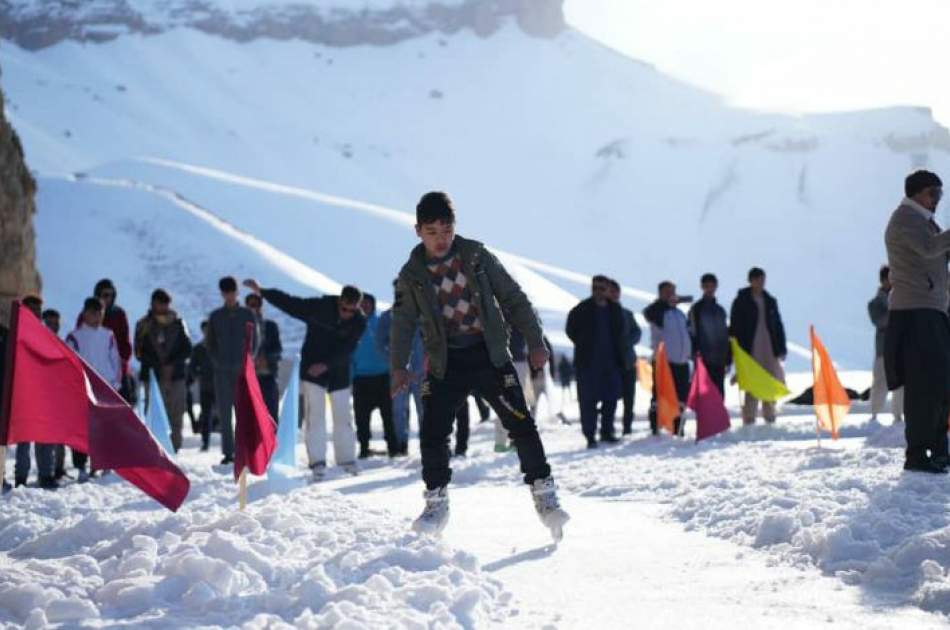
242, 489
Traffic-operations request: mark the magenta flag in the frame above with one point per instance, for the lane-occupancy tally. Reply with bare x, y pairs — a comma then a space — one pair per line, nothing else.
255, 438
706, 400
52, 396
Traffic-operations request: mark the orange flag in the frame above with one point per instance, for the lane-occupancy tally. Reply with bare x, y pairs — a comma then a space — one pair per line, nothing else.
645, 375
831, 400
667, 401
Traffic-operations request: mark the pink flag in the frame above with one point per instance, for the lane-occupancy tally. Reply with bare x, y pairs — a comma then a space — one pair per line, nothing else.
706, 400
51, 395
255, 438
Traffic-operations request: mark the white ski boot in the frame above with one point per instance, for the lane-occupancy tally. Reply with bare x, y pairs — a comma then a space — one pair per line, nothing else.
544, 493
435, 516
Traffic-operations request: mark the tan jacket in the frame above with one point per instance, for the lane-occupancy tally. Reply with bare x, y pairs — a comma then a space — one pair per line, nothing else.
917, 253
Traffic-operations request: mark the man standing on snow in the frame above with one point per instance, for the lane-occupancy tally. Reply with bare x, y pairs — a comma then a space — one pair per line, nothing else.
227, 327
417, 373
267, 360
878, 312
97, 345
45, 453
597, 329
631, 337
116, 320
458, 292
917, 340
371, 384
201, 369
162, 346
710, 332
669, 325
755, 322
334, 326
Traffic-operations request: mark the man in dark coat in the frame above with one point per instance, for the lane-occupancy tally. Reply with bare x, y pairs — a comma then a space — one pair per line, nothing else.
710, 332
201, 369
267, 361
227, 329
163, 347
597, 330
334, 327
631, 337
755, 322
917, 340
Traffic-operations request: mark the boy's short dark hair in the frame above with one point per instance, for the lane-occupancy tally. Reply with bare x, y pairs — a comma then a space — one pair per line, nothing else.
600, 278
435, 206
161, 296
756, 272
613, 284
92, 304
252, 297
351, 295
32, 301
51, 312
919, 181
369, 297
666, 284
227, 284
884, 273
709, 277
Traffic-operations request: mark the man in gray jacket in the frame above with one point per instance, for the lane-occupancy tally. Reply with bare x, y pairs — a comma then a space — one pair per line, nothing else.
463, 300
878, 311
917, 340
227, 327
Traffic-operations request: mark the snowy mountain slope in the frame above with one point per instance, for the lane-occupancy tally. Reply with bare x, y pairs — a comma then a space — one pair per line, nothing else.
558, 150
184, 246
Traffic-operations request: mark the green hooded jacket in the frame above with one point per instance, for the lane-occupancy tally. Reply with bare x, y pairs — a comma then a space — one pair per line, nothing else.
497, 295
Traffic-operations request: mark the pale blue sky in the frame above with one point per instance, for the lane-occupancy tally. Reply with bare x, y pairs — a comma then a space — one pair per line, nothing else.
788, 55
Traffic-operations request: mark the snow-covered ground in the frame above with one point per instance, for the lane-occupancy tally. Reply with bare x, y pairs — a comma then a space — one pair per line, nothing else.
760, 527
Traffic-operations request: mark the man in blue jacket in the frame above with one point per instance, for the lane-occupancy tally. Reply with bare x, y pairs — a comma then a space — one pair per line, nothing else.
417, 374
371, 384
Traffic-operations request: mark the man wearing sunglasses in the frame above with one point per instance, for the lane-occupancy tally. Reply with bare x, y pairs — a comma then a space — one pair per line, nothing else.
334, 327
917, 339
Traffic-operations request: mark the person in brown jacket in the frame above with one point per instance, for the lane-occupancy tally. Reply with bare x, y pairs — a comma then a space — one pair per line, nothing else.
917, 339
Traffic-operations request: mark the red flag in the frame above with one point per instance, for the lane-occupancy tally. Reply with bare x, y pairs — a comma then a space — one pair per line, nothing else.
51, 395
255, 438
667, 401
706, 400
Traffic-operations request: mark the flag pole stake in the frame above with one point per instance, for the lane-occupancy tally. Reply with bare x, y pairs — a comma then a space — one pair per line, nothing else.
242, 489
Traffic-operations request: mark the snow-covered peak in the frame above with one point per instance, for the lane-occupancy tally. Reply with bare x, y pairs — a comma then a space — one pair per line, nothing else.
34, 25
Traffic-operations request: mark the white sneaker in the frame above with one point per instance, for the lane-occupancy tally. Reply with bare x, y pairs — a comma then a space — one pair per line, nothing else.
544, 493
318, 471
435, 516
351, 468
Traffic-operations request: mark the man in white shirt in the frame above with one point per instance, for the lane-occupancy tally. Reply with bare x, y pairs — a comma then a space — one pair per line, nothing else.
97, 346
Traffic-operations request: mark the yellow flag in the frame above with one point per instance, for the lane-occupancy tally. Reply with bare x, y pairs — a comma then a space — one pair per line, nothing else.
753, 378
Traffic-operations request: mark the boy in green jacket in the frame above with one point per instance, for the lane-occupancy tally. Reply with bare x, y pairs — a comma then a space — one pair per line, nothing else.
463, 299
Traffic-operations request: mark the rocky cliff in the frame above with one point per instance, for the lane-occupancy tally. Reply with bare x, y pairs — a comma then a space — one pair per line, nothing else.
33, 24
18, 273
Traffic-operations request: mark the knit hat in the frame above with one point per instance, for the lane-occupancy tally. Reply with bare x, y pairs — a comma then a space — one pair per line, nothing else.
919, 181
